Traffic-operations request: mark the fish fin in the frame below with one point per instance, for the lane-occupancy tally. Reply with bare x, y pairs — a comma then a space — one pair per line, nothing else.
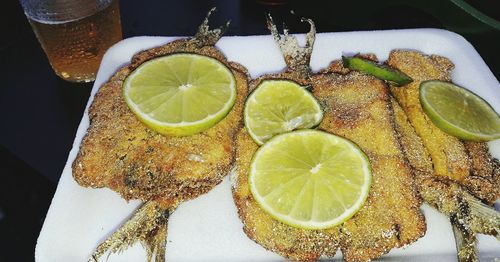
481, 218
465, 241
297, 58
206, 36
148, 225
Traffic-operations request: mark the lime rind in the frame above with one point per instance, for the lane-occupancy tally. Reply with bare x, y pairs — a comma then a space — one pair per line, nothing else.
313, 225
310, 118
181, 128
451, 128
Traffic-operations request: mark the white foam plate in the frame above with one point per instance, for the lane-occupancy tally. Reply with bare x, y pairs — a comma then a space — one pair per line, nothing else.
208, 228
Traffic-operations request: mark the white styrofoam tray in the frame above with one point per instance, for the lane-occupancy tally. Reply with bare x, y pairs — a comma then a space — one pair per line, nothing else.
208, 227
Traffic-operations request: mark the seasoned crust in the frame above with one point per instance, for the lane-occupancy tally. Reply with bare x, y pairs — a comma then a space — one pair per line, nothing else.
290, 242
357, 107
467, 163
484, 181
123, 154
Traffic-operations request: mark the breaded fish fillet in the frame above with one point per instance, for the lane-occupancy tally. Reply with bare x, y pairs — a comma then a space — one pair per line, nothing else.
290, 242
467, 214
449, 194
121, 153
357, 107
467, 163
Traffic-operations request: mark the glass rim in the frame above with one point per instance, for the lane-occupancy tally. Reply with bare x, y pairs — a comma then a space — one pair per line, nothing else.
57, 11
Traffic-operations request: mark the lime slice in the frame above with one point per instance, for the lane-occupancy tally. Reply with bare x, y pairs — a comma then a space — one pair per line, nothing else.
180, 94
459, 112
279, 106
310, 179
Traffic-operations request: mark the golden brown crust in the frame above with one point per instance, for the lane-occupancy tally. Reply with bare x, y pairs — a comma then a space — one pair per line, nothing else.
121, 153
467, 214
467, 163
484, 181
290, 242
448, 154
357, 107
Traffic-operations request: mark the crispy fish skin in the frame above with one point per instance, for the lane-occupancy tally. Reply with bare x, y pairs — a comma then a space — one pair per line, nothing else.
290, 242
357, 107
448, 154
484, 181
468, 215
456, 199
123, 154
467, 163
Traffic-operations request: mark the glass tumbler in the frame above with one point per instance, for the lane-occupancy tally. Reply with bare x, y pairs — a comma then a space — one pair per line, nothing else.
74, 34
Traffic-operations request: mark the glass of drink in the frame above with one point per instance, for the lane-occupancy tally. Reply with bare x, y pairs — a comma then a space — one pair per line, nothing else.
74, 34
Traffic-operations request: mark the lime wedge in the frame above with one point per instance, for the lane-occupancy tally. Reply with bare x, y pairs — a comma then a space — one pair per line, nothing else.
279, 106
310, 179
459, 112
180, 94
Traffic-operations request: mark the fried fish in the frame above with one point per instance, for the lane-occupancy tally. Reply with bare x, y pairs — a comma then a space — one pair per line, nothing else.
467, 163
468, 215
121, 153
435, 155
356, 106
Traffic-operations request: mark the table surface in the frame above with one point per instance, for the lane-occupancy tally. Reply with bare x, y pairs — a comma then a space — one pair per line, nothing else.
41, 112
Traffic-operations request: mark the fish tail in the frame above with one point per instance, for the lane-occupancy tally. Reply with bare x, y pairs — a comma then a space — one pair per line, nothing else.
481, 218
148, 225
465, 241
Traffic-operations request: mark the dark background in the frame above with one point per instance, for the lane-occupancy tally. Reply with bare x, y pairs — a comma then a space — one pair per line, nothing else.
40, 112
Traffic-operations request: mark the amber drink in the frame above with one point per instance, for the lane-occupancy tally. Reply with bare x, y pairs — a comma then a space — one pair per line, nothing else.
76, 39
